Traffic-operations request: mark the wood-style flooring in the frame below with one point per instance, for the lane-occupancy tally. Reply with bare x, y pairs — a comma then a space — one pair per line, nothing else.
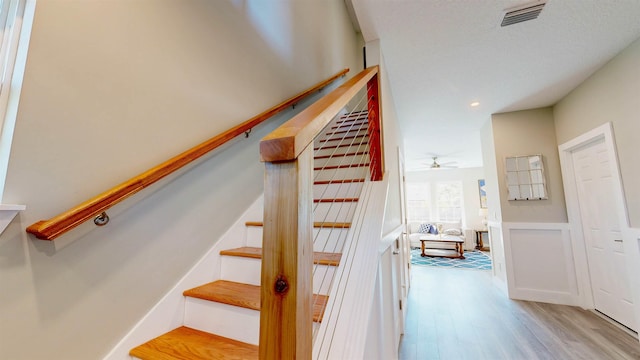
458, 314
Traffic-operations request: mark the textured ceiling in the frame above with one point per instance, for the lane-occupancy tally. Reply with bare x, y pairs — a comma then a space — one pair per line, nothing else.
442, 55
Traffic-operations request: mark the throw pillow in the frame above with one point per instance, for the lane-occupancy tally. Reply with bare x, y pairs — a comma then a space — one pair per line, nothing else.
425, 228
455, 232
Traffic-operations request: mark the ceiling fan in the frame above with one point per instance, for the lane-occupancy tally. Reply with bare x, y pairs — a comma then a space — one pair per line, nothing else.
437, 165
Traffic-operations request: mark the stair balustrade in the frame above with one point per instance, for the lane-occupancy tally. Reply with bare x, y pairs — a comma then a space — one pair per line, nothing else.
286, 328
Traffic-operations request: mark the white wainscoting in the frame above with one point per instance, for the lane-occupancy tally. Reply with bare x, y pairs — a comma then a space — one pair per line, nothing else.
539, 262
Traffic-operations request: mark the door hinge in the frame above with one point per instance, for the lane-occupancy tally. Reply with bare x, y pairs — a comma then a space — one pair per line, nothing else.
400, 304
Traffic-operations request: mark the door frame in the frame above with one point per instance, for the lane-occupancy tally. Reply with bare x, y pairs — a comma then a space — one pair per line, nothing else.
402, 245
602, 132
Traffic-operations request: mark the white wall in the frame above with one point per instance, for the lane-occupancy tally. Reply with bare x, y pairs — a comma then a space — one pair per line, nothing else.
112, 88
610, 94
529, 132
529, 230
392, 139
471, 197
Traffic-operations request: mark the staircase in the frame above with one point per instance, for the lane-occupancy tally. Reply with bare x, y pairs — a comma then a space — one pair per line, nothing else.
222, 318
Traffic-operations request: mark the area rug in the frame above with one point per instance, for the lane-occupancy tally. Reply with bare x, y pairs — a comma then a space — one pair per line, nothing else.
473, 260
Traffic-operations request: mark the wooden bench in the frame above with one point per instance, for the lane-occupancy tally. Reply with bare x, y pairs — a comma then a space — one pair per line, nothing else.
458, 253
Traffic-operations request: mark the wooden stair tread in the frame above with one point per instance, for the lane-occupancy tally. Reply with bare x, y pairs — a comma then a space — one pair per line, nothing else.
341, 155
337, 200
323, 147
337, 181
355, 130
351, 123
347, 166
185, 343
244, 295
321, 258
342, 225
347, 137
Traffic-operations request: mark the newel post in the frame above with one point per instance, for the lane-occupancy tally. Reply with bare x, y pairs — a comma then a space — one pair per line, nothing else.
286, 298
376, 167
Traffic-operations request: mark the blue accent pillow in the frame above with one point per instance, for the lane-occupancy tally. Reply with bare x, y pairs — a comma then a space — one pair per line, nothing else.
427, 229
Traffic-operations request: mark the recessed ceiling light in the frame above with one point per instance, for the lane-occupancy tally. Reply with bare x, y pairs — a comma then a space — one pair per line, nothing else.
474, 104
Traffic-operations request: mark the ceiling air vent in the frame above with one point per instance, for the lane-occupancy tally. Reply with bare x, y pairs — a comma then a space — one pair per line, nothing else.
522, 13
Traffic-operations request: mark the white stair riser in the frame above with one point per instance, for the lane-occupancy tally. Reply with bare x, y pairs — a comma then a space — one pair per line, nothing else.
347, 121
357, 130
325, 240
230, 321
329, 240
333, 141
340, 190
334, 212
342, 160
224, 320
254, 236
341, 174
323, 151
247, 270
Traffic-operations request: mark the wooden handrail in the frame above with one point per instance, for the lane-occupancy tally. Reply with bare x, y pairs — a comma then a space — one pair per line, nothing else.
289, 140
58, 225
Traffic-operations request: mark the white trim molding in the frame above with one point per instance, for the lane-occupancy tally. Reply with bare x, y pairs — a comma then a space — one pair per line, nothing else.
169, 312
631, 237
7, 213
498, 264
539, 262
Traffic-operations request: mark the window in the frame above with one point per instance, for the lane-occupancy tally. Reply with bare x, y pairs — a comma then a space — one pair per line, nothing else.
418, 202
16, 18
449, 201
446, 205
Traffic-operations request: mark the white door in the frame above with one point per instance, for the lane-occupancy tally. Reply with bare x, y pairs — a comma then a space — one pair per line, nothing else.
603, 238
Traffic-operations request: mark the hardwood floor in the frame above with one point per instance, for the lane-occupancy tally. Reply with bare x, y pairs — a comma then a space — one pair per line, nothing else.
459, 314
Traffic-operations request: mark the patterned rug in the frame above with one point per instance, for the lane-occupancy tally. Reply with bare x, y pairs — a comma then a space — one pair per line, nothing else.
473, 260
